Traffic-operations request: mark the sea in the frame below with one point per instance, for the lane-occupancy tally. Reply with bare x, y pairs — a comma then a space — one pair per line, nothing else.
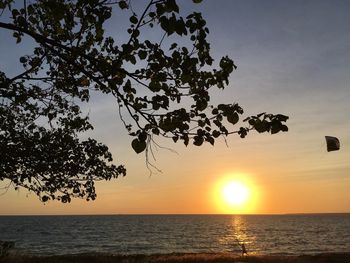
154, 234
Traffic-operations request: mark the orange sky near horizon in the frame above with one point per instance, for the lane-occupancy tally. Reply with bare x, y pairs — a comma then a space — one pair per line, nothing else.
293, 58
192, 187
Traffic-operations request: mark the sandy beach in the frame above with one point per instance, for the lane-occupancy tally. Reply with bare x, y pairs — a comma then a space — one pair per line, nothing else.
181, 257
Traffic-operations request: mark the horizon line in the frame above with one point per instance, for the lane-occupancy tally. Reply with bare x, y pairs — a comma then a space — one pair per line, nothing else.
184, 214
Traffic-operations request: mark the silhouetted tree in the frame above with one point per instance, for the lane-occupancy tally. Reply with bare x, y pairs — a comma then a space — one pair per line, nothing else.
40, 114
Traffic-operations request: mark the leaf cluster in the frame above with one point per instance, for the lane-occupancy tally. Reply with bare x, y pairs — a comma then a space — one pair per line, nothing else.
151, 81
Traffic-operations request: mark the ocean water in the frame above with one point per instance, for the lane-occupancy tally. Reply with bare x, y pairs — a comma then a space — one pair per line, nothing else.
148, 234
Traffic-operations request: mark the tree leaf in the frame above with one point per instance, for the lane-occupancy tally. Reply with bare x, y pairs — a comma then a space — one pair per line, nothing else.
138, 146
122, 4
133, 19
211, 140
198, 140
233, 118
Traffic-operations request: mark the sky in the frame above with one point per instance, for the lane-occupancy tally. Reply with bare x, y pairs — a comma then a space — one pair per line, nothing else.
293, 58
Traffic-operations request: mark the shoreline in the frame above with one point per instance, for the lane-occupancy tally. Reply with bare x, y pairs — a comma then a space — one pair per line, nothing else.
334, 257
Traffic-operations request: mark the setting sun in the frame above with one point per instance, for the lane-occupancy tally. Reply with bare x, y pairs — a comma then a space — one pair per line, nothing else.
235, 193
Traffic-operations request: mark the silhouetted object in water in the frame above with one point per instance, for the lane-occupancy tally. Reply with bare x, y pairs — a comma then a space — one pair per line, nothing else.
244, 250
332, 143
5, 246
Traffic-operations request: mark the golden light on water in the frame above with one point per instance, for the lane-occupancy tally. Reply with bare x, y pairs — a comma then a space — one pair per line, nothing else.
235, 194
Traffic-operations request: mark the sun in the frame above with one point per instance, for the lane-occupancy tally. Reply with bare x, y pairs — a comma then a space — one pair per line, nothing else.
235, 193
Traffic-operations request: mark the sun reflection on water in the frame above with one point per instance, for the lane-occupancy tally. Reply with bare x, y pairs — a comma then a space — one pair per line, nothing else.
236, 235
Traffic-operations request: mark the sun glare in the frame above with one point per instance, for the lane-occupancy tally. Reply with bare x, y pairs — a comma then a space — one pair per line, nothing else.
235, 193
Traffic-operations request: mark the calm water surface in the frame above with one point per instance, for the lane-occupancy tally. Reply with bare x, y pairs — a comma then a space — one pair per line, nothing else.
147, 234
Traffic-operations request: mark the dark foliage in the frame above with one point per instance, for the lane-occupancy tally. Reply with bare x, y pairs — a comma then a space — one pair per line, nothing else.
40, 116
